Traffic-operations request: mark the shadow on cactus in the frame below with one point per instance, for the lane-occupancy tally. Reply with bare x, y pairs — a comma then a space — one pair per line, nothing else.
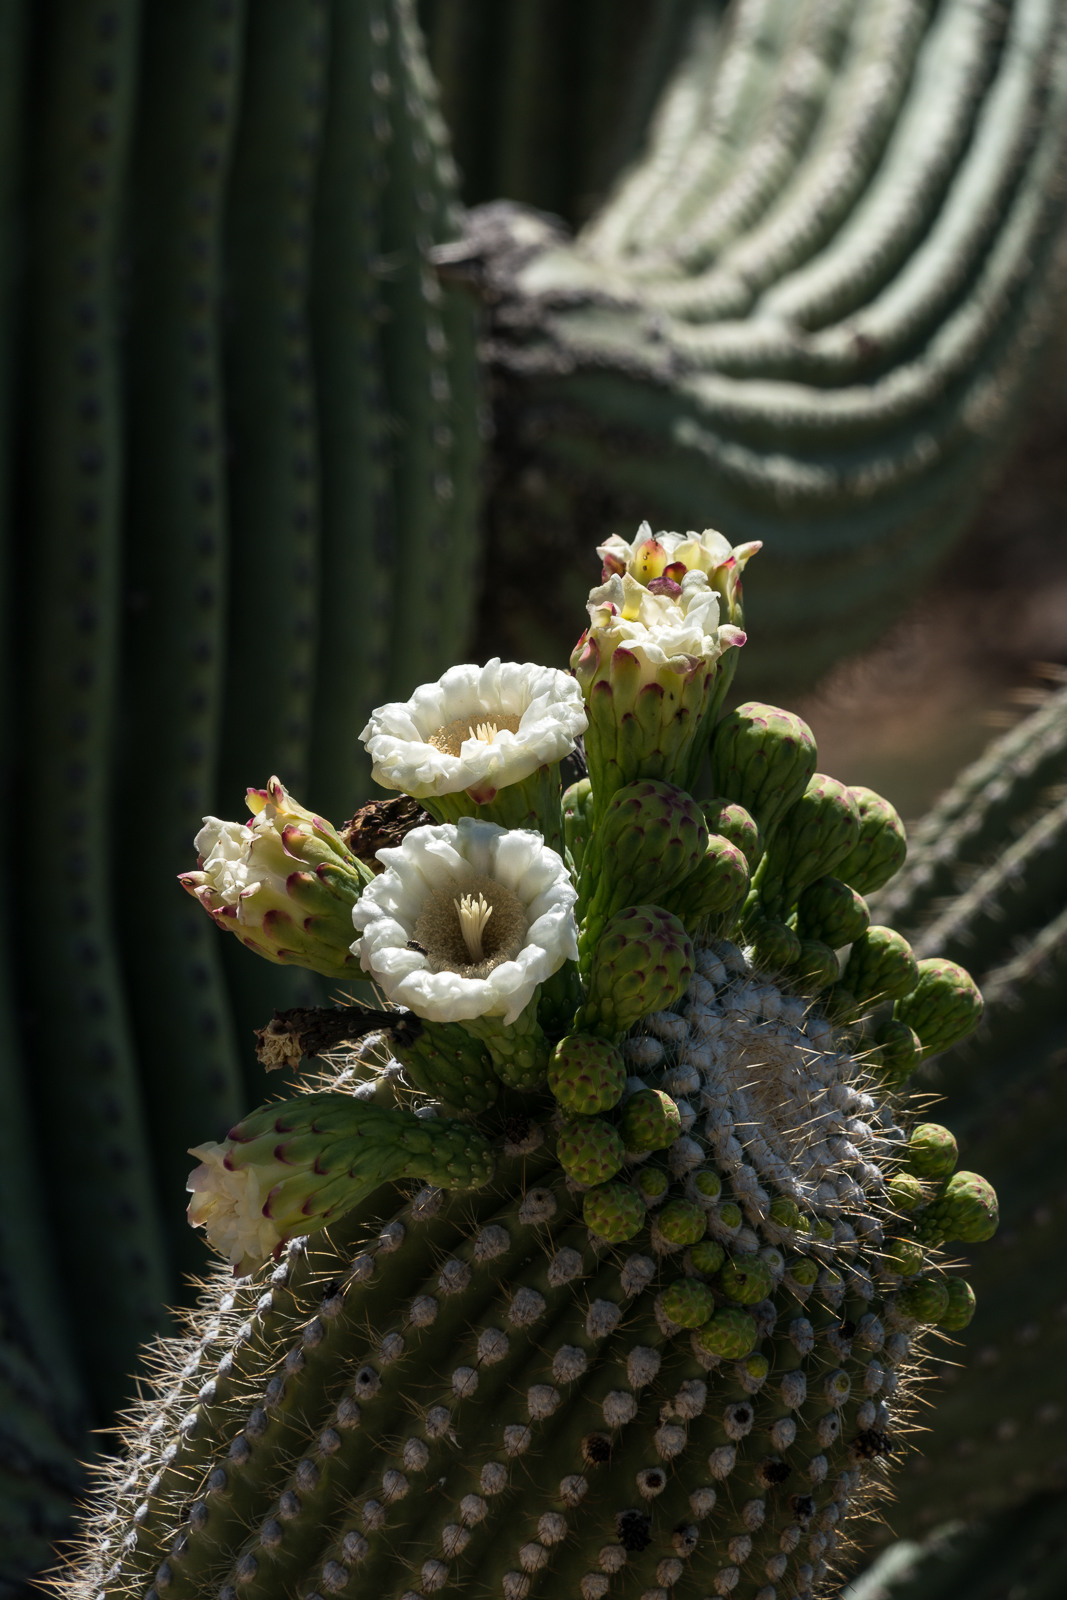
602, 1257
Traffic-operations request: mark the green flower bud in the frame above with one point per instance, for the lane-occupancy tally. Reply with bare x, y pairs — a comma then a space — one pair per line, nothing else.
717, 884
706, 1185
901, 1050
688, 1302
729, 1216
932, 1151
943, 1008
926, 1300
284, 884
786, 1213
815, 969
642, 963
614, 1212
905, 1192
821, 1229
652, 836
881, 847
586, 1074
804, 1271
753, 1370
762, 757
649, 1121
961, 1306
881, 966
733, 822
707, 1257
774, 944
904, 1256
681, 1222
652, 1183
813, 836
831, 912
966, 1212
730, 1334
294, 1166
746, 1279
589, 1151
578, 819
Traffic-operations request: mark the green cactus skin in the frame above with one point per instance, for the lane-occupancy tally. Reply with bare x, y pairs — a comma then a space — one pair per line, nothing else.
880, 966
577, 806
82, 1058
596, 1430
763, 758
177, 560
832, 912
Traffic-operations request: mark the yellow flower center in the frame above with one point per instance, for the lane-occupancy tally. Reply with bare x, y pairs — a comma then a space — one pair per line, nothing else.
473, 915
451, 738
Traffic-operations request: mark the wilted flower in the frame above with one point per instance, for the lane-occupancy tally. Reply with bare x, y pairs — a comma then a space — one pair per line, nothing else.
283, 882
466, 921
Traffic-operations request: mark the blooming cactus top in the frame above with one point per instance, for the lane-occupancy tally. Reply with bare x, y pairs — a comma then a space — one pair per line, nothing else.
671, 630
477, 728
660, 561
466, 920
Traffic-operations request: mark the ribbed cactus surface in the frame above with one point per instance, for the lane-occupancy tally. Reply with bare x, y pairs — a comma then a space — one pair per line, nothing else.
605, 1257
808, 311
239, 433
986, 883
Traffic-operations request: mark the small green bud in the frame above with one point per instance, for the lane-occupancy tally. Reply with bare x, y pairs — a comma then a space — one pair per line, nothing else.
587, 1075
804, 1271
762, 757
926, 1300
813, 836
689, 1302
754, 1368
932, 1151
905, 1192
652, 1183
881, 847
614, 1212
729, 1216
831, 912
901, 1051
707, 1184
881, 966
730, 1334
961, 1306
786, 1213
707, 1257
649, 1121
643, 962
681, 1222
746, 1279
904, 1256
816, 967
731, 821
965, 1212
822, 1229
589, 1150
943, 1008
578, 819
774, 944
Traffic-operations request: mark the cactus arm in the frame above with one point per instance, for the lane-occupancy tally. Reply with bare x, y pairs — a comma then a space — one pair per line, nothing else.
357, 555
176, 558
83, 1056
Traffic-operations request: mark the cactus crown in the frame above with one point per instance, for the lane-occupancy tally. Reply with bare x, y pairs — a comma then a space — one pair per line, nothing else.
604, 1268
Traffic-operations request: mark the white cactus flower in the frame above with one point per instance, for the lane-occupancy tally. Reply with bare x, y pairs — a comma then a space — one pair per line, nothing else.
660, 630
477, 729
228, 1204
466, 920
652, 558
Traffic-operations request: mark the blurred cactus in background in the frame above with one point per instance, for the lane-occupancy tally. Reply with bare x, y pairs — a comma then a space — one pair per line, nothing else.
808, 313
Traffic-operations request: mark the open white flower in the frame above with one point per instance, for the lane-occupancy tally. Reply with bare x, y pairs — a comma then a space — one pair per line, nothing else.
228, 1204
466, 920
477, 729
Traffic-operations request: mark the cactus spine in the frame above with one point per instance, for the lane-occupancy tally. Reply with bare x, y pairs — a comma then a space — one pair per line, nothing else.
648, 1318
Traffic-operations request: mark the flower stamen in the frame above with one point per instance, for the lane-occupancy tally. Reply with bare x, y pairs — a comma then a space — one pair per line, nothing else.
473, 915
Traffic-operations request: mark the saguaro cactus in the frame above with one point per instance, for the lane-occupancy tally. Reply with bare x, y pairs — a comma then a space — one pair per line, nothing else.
998, 838
605, 1262
237, 414
808, 311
